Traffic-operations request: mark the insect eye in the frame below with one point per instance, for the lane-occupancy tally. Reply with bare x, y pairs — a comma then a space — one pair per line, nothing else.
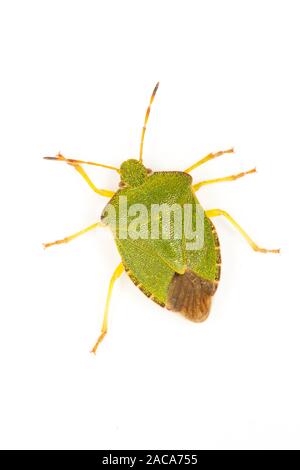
149, 171
122, 184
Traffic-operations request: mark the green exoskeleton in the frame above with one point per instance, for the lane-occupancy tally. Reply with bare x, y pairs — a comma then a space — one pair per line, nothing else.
168, 269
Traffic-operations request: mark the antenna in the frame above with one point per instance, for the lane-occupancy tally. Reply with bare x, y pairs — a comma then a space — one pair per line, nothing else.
146, 120
71, 161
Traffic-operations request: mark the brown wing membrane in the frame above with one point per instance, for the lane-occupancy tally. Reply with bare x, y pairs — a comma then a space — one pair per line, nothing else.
190, 295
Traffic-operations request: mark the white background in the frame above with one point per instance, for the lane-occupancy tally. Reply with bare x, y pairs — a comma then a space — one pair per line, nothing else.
76, 77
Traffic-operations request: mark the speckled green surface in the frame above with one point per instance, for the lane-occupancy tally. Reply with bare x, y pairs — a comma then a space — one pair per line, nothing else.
152, 263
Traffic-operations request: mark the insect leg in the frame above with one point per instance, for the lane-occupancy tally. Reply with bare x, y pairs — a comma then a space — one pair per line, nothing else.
146, 120
254, 246
208, 157
81, 171
75, 235
117, 273
221, 180
101, 192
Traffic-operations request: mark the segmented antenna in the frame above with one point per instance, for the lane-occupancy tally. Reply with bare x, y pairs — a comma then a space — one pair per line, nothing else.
146, 120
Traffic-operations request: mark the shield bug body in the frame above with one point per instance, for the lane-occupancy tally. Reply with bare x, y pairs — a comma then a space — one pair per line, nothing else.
167, 242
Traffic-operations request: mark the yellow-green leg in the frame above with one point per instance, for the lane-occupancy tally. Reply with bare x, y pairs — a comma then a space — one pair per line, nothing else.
222, 180
208, 157
82, 172
117, 273
254, 246
75, 235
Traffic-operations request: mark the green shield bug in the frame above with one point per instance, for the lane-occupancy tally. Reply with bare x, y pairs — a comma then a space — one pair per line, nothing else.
154, 216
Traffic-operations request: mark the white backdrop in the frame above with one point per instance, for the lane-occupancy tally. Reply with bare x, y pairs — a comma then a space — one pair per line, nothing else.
76, 77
